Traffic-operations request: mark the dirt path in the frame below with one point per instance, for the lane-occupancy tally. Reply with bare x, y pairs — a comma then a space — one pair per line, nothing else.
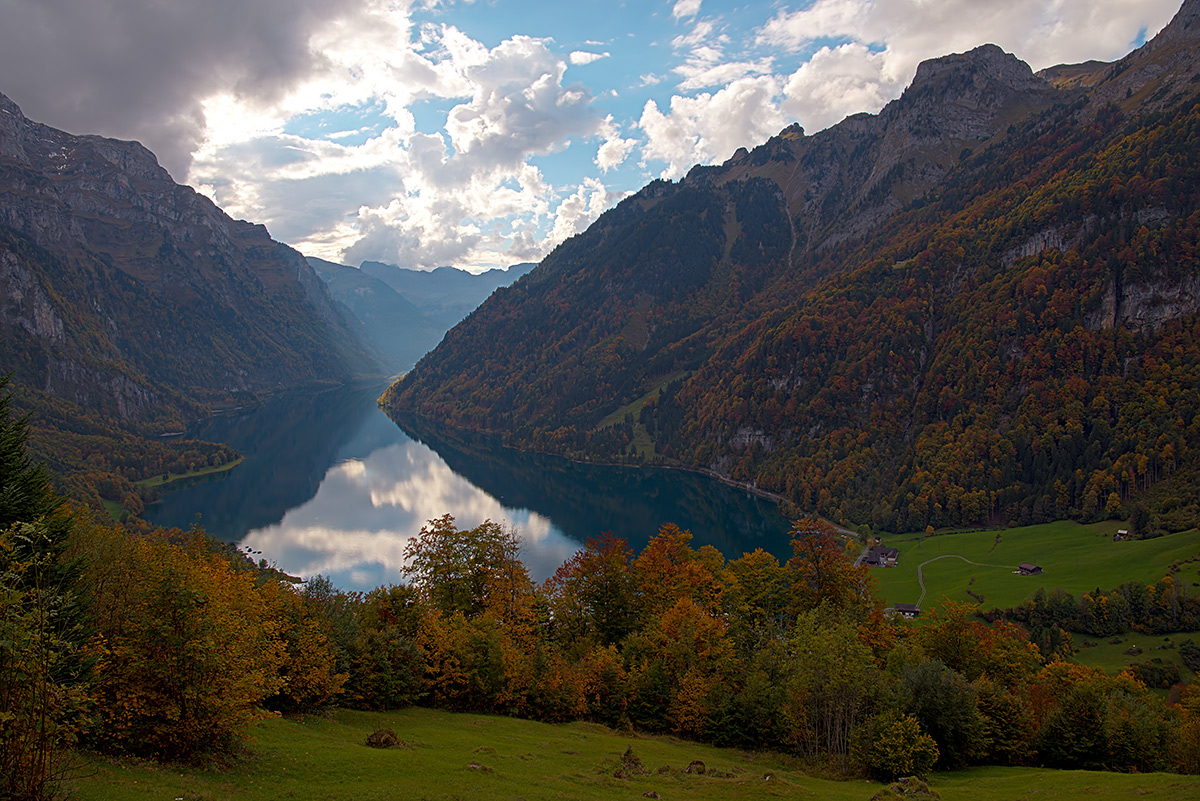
921, 569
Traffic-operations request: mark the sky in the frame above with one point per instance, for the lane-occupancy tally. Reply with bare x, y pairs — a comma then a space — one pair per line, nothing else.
481, 134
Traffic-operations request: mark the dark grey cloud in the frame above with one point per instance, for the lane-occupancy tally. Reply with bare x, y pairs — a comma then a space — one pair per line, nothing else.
138, 69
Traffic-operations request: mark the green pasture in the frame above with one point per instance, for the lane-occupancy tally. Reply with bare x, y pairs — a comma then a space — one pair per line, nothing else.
170, 478
1077, 558
461, 756
1113, 657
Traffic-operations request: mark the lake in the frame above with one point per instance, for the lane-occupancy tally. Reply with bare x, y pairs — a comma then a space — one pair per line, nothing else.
331, 485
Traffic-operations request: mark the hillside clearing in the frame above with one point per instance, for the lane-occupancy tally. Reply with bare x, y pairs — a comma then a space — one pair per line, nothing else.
1077, 558
476, 756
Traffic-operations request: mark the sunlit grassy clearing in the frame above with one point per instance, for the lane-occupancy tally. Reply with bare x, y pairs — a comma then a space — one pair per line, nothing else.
1075, 557
158, 481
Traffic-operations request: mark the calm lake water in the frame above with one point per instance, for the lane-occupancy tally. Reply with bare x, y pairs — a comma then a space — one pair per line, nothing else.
331, 485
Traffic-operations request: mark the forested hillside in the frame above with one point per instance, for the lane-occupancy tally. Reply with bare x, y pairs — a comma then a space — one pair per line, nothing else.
977, 307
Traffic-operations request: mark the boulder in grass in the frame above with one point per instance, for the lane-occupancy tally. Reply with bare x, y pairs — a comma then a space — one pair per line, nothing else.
383, 738
696, 766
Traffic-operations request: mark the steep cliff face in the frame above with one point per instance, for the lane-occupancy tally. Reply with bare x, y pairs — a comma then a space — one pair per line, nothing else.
847, 179
169, 300
979, 305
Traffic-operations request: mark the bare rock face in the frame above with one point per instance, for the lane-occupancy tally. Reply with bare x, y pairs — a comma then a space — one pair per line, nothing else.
125, 290
873, 165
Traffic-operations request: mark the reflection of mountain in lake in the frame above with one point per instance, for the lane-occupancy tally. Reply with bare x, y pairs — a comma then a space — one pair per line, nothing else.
584, 500
289, 445
331, 485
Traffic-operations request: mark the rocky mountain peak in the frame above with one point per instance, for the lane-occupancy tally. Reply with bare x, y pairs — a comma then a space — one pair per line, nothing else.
11, 122
975, 68
877, 163
983, 81
1184, 26
44, 148
7, 105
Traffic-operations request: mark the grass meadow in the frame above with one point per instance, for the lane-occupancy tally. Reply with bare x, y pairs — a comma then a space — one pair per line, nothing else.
464, 756
1078, 558
1113, 657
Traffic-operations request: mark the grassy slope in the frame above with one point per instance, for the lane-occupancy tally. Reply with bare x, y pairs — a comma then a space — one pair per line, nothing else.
317, 759
1075, 557
1113, 657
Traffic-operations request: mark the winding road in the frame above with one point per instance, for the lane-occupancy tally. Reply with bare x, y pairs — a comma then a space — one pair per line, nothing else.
921, 569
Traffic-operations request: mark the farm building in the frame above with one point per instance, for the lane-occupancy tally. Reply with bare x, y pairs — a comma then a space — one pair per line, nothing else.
881, 556
1028, 569
908, 611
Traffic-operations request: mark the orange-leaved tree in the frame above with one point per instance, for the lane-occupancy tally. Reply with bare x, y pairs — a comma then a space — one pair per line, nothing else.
189, 648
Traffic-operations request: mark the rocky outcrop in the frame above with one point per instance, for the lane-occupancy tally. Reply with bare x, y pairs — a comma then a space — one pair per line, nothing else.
24, 303
873, 165
1155, 74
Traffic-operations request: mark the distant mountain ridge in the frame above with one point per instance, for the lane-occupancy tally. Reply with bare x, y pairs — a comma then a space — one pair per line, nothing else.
396, 328
406, 312
447, 294
978, 306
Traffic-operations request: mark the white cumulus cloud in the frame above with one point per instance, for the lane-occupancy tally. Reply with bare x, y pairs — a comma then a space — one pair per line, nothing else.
417, 199
683, 9
580, 57
710, 127
837, 82
614, 149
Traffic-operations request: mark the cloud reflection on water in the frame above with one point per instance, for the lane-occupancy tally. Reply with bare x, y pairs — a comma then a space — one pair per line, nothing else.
355, 529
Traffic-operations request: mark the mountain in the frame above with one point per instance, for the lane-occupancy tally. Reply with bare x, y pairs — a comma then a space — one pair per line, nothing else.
131, 304
395, 327
978, 306
445, 295
406, 312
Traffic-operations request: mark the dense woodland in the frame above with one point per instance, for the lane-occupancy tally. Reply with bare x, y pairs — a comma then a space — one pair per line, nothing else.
167, 645
1018, 345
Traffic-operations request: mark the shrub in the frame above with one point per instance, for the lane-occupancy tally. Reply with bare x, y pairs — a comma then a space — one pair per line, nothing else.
897, 747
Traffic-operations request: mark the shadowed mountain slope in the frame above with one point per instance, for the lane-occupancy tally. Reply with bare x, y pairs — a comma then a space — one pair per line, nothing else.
131, 304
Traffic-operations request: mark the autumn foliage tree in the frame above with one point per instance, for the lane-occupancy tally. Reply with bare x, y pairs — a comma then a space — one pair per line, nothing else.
189, 647
821, 572
591, 595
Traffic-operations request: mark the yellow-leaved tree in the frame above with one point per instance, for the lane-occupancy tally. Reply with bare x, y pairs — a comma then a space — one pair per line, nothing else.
189, 647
